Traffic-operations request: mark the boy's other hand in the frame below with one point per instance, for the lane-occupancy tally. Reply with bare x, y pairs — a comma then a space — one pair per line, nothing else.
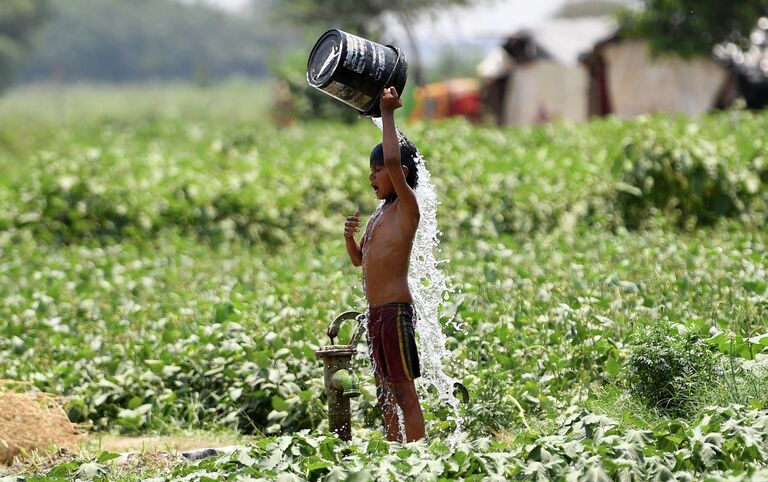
352, 225
390, 100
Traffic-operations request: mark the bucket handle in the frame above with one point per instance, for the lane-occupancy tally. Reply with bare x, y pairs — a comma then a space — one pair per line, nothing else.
389, 79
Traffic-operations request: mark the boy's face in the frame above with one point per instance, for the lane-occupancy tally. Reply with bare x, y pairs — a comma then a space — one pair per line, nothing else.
380, 181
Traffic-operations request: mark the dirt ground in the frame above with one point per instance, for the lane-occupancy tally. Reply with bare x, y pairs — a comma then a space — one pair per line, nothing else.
165, 443
145, 453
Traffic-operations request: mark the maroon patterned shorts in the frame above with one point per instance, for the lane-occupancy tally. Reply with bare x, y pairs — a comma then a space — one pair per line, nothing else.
392, 343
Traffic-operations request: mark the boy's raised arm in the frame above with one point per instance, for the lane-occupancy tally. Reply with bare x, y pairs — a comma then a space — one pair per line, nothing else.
390, 101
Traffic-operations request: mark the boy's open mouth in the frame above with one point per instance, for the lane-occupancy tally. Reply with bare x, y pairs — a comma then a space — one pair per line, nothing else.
375, 187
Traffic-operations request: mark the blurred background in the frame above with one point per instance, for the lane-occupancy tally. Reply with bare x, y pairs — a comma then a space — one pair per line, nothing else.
504, 62
172, 193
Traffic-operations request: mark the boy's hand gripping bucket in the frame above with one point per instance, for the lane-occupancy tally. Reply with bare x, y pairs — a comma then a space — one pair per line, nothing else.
355, 70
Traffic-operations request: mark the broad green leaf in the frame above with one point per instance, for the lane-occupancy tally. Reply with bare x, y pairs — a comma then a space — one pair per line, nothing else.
279, 404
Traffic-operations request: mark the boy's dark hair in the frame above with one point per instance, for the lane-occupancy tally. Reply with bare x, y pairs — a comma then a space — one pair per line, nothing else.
409, 157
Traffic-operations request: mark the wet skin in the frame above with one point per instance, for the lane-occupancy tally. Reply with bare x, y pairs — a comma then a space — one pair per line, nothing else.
383, 253
386, 247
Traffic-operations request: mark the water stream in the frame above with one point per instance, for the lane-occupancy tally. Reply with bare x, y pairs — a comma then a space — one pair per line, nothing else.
431, 291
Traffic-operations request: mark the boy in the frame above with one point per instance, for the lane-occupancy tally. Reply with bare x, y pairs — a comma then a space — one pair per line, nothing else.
384, 252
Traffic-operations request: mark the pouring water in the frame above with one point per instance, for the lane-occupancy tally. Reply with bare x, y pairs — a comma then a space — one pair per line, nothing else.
431, 291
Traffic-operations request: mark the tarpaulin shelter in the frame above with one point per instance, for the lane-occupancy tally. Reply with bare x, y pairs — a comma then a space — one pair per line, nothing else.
626, 80
574, 69
535, 75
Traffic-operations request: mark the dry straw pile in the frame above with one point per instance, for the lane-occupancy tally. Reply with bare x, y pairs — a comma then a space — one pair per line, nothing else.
31, 421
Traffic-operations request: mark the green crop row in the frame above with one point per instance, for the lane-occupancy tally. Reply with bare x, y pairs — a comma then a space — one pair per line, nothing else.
174, 332
182, 274
268, 186
723, 444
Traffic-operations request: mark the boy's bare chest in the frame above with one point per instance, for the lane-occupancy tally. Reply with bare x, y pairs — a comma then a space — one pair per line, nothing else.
383, 231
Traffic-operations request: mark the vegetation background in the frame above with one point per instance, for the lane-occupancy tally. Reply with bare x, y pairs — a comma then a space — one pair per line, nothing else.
170, 256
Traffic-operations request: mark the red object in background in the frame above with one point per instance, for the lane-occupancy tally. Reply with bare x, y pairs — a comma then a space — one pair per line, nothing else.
450, 98
466, 104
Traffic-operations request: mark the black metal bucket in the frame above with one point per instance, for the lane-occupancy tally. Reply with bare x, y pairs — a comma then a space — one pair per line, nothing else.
355, 70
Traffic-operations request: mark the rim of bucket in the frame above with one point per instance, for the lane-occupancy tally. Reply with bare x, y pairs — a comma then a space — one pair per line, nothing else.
375, 103
328, 33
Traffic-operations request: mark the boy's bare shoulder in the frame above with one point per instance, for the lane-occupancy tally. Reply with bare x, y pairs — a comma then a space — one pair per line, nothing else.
406, 213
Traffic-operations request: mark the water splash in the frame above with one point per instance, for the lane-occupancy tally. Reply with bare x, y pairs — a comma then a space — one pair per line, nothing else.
430, 290
401, 423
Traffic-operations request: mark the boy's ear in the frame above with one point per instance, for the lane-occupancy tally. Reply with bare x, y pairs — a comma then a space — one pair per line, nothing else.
405, 171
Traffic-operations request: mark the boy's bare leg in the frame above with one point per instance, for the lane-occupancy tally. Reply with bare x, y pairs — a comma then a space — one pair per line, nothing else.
386, 398
408, 400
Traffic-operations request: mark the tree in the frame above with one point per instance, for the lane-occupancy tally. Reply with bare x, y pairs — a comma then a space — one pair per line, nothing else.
137, 40
363, 17
692, 27
589, 8
18, 21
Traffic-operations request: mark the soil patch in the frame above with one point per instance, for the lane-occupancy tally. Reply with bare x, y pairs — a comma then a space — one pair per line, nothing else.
166, 443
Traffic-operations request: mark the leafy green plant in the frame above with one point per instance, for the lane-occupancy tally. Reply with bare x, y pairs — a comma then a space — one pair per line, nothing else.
493, 407
684, 175
583, 446
179, 272
666, 369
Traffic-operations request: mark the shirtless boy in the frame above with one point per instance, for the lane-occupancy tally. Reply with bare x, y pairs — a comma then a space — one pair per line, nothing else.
383, 252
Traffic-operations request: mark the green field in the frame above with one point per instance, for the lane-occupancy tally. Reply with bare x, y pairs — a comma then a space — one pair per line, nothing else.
169, 261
